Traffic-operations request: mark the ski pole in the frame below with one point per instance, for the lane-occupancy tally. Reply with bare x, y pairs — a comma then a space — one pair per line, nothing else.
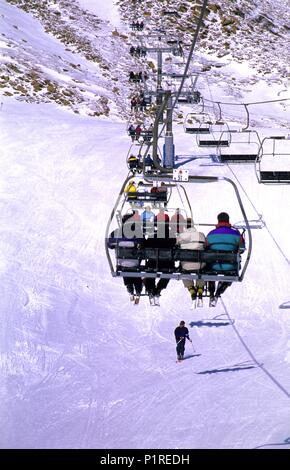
192, 346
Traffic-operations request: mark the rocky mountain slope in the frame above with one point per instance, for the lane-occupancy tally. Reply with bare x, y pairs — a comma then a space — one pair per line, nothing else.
83, 62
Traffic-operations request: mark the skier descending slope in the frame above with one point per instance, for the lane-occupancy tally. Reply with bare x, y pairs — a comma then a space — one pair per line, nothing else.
181, 334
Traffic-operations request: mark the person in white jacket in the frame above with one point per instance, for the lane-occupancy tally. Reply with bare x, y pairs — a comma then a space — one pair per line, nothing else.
191, 239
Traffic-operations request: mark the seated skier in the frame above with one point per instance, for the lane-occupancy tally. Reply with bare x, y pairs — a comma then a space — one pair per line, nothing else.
191, 239
223, 238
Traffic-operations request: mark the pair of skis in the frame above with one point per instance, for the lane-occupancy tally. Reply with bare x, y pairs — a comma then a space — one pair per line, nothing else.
213, 301
198, 303
154, 301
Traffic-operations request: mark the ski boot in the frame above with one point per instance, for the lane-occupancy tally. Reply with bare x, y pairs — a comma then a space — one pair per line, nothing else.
199, 297
156, 298
192, 292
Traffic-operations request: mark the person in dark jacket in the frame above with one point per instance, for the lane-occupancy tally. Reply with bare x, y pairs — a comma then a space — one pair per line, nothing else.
223, 238
131, 132
158, 242
148, 163
128, 236
134, 163
181, 334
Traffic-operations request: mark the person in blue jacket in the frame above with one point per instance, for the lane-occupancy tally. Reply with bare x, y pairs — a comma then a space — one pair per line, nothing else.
223, 238
148, 221
181, 334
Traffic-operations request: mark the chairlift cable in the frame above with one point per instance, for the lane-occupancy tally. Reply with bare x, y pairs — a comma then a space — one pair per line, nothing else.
198, 26
194, 41
246, 104
161, 109
210, 90
258, 214
251, 354
182, 201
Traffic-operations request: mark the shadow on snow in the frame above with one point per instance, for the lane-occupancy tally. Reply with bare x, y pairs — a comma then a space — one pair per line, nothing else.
234, 368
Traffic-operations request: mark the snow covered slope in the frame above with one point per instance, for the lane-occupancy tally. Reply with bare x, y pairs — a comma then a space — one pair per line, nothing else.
39, 64
242, 44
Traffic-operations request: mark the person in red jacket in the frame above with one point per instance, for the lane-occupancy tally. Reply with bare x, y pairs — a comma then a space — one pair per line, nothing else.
177, 222
161, 221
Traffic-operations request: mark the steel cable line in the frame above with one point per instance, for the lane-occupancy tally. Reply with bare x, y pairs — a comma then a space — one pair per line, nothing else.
246, 104
252, 204
194, 41
251, 354
156, 134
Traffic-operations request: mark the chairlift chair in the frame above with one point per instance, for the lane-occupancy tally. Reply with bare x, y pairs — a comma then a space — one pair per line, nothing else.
196, 123
186, 97
219, 135
136, 150
174, 255
272, 164
171, 13
244, 147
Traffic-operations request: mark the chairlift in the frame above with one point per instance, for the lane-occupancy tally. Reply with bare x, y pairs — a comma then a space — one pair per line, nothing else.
174, 75
219, 135
273, 161
151, 259
243, 148
196, 123
133, 26
158, 31
147, 98
189, 96
177, 51
171, 13
254, 224
141, 149
137, 26
174, 42
131, 130
147, 135
185, 97
134, 158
